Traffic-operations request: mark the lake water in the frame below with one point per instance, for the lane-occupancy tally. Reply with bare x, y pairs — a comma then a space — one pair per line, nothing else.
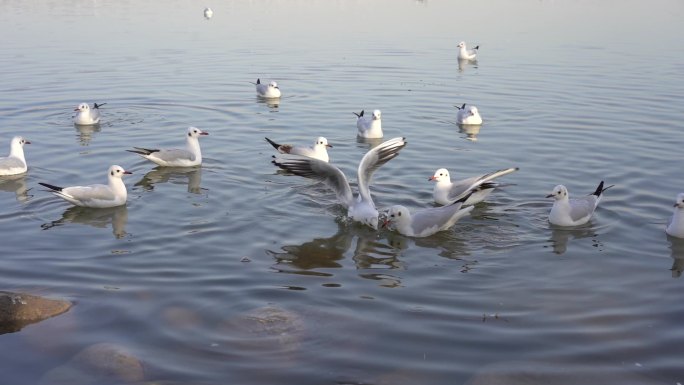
236, 273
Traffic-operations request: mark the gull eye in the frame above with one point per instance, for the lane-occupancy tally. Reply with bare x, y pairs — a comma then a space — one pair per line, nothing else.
392, 215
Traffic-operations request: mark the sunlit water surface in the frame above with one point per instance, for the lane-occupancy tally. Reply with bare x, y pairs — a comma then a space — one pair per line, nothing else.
571, 92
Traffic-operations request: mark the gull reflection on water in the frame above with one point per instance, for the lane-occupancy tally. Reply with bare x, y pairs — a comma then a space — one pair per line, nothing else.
677, 255
365, 247
175, 175
470, 130
561, 236
15, 184
86, 133
465, 63
101, 218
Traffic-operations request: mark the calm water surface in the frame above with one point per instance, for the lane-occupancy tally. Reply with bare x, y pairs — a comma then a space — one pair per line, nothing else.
571, 92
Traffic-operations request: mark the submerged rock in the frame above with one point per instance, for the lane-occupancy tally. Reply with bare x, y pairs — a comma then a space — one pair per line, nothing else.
101, 364
19, 309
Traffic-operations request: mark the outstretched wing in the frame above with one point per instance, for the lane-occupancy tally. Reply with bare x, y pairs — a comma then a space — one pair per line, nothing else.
373, 159
318, 170
461, 188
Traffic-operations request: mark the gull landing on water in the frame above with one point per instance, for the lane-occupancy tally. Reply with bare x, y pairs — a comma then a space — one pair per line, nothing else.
86, 116
318, 151
97, 195
360, 209
426, 222
479, 187
468, 115
14, 163
370, 128
191, 156
465, 53
268, 91
573, 212
676, 226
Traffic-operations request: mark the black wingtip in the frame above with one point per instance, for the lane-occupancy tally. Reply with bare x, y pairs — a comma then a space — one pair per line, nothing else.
465, 198
50, 186
600, 189
274, 144
258, 81
96, 106
477, 47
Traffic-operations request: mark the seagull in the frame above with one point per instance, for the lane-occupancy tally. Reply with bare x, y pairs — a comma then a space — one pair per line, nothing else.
191, 156
447, 192
467, 54
268, 91
96, 195
369, 128
676, 227
573, 212
468, 115
208, 13
426, 222
360, 209
14, 163
318, 151
87, 116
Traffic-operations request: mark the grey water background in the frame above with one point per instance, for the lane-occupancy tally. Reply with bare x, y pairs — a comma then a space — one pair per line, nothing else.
571, 92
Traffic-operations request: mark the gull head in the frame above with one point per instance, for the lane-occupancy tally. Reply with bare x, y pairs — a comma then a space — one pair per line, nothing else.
321, 141
82, 107
194, 132
680, 201
472, 111
397, 216
273, 85
376, 114
461, 44
19, 141
441, 175
559, 192
117, 172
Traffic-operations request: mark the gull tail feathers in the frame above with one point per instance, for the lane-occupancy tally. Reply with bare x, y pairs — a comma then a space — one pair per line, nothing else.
600, 189
274, 144
143, 151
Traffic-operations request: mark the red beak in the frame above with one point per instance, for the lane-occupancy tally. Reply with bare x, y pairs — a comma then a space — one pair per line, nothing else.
27, 142
329, 145
76, 109
432, 178
127, 172
385, 223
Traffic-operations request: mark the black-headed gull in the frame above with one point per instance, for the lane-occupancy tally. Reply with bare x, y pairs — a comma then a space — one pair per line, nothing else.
447, 192
318, 151
176, 157
268, 91
465, 53
573, 212
468, 115
97, 195
86, 116
425, 222
360, 209
676, 226
370, 128
208, 13
14, 163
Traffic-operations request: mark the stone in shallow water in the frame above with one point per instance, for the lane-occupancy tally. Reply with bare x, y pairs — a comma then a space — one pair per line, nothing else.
19, 309
101, 364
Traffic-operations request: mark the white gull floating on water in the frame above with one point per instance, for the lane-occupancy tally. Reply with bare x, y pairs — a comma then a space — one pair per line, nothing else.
97, 195
467, 54
676, 226
86, 116
269, 90
447, 192
573, 212
318, 151
188, 157
468, 115
14, 163
426, 222
369, 127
